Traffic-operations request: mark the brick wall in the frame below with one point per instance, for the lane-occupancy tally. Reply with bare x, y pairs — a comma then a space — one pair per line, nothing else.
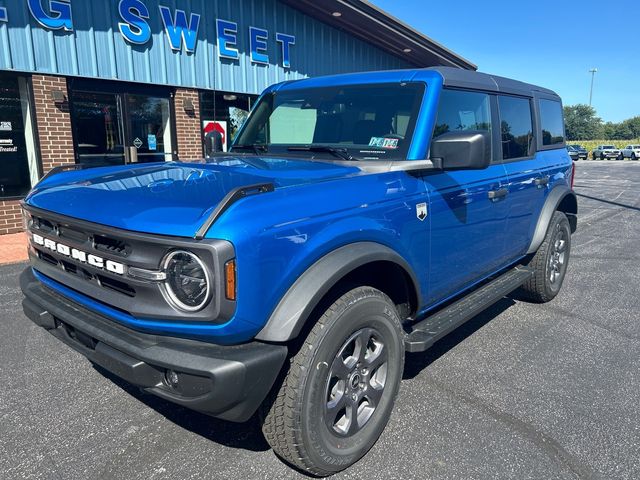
188, 125
10, 217
54, 122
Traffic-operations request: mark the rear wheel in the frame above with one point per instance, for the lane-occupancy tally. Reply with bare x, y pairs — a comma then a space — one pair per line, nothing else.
550, 262
337, 397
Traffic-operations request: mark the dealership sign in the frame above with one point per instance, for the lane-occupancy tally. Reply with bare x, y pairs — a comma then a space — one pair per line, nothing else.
181, 32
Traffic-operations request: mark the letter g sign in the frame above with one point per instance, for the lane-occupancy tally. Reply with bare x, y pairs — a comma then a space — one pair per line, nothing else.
60, 16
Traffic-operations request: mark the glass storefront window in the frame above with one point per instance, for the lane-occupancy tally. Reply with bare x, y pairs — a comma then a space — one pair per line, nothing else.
18, 162
226, 112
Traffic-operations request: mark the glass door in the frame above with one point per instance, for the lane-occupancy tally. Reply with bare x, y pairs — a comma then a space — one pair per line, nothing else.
98, 128
149, 129
115, 127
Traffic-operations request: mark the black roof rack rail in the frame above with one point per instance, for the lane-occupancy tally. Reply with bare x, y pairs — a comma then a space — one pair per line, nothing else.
232, 197
64, 168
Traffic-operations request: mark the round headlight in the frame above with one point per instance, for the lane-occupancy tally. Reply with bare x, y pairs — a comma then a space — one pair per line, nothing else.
187, 284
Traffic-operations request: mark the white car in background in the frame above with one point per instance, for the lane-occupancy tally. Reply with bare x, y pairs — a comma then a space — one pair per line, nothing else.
631, 151
607, 152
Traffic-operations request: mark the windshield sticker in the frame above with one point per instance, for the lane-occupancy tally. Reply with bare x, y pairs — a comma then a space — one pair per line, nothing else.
381, 142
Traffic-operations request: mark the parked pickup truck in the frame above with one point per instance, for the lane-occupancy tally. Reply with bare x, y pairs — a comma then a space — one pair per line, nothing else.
631, 151
606, 152
577, 152
356, 218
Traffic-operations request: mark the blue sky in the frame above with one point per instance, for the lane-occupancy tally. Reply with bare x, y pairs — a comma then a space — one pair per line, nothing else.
550, 43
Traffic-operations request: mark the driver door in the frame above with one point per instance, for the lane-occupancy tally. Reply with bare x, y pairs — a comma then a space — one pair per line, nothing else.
468, 208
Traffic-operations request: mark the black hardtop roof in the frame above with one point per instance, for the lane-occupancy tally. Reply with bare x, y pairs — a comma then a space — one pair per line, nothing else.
456, 77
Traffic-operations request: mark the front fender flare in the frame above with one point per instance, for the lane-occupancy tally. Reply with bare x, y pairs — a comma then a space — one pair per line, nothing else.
305, 294
555, 198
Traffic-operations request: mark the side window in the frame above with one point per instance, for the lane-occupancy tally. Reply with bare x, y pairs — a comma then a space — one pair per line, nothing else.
552, 122
516, 127
460, 110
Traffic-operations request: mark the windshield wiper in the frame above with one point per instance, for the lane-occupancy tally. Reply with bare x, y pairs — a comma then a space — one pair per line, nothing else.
342, 153
256, 148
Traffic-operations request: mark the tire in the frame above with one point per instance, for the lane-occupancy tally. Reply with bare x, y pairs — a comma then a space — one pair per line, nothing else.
328, 372
602, 156
593, 155
633, 156
550, 262
620, 157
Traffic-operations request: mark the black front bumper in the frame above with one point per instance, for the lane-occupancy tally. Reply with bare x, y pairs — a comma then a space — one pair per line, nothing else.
227, 382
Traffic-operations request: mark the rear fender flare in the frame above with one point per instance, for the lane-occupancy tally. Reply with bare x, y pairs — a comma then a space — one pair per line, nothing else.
555, 198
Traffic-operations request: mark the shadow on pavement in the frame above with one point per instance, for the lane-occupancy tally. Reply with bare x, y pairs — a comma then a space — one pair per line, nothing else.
623, 205
416, 362
245, 436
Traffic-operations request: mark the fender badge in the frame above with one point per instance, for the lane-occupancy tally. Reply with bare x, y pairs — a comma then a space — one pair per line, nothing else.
421, 211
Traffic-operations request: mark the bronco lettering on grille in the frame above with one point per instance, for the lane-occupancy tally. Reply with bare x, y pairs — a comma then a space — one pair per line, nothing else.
79, 255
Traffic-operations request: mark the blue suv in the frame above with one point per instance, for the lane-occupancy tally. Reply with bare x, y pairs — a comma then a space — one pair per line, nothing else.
356, 218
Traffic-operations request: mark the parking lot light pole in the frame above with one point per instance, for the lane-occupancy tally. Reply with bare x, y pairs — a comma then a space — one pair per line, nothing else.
593, 72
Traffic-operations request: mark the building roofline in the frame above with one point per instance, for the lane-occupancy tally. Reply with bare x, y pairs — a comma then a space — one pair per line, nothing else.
375, 26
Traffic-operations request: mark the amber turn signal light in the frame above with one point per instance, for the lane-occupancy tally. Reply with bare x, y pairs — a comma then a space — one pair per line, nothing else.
230, 276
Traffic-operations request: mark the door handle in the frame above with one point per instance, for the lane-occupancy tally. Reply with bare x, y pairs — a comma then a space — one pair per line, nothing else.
498, 194
542, 181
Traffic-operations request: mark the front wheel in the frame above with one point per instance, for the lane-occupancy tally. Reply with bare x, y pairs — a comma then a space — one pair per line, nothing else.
633, 156
338, 395
550, 262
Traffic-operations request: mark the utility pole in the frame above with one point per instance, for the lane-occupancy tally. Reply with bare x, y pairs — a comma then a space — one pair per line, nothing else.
593, 72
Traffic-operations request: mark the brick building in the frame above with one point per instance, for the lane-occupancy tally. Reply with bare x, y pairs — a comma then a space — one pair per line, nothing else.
108, 83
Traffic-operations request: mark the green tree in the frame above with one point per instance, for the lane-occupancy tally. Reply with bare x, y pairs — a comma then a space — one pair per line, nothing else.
582, 122
633, 126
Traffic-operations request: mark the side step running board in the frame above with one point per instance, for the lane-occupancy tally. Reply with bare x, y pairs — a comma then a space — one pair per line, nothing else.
425, 333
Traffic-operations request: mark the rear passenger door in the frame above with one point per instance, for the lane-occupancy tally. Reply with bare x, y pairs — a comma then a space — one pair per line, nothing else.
467, 224
527, 174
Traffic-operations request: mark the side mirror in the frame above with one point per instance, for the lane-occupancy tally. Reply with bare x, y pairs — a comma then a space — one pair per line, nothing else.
465, 150
213, 143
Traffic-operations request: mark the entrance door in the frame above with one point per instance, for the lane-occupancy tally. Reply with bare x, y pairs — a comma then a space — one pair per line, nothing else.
148, 129
114, 128
98, 128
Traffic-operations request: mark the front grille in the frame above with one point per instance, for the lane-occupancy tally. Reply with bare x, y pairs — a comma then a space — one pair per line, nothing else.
95, 278
101, 243
85, 241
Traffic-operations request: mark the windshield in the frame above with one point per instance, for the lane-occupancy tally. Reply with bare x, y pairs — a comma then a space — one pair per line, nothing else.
610, 147
362, 122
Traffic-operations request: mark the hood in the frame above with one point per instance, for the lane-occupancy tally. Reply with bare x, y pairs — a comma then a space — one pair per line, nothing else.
169, 198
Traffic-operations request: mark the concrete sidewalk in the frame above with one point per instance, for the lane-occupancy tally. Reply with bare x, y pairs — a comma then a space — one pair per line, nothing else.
13, 248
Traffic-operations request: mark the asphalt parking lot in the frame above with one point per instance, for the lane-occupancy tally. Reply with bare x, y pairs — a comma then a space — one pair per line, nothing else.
522, 391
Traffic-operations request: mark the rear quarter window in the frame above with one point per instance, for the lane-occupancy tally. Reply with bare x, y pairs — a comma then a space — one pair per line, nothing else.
552, 122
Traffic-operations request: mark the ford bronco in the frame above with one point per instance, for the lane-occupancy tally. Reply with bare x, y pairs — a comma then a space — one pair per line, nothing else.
356, 218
